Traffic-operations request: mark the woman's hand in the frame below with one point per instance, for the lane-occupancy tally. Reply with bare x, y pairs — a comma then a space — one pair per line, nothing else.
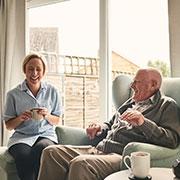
52, 119
24, 116
15, 122
43, 111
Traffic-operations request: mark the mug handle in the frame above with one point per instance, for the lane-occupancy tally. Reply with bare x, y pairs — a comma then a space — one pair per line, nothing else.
125, 161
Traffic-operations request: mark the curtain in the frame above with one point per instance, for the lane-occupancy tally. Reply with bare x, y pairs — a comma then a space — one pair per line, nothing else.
12, 51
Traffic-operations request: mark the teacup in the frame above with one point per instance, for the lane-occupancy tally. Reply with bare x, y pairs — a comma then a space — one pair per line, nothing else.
35, 113
139, 163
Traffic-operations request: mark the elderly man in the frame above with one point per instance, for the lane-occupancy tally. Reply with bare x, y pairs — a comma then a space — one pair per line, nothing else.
153, 118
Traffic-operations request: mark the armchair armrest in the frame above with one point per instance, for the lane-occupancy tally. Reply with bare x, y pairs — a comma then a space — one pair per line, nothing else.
7, 165
72, 136
75, 136
160, 156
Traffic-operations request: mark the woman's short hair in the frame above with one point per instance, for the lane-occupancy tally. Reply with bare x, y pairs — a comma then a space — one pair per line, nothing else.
31, 56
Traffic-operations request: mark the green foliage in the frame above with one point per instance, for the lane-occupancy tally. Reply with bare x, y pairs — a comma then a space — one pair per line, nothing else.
161, 66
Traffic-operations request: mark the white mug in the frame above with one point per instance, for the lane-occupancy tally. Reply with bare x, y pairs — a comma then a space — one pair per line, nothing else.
139, 163
35, 114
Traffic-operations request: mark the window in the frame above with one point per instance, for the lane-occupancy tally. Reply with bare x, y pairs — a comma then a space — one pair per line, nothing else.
139, 35
67, 34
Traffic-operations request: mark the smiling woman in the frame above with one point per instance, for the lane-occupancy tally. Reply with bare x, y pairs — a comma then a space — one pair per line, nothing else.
34, 67
31, 137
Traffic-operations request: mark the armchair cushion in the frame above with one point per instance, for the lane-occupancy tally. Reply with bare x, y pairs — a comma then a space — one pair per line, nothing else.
121, 90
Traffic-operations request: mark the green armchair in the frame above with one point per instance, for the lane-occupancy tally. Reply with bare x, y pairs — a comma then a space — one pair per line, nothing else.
160, 156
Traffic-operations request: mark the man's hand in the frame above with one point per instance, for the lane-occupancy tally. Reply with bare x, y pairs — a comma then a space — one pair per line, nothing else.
133, 117
92, 130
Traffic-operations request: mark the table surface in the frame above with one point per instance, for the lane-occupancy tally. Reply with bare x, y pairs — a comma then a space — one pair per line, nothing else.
156, 173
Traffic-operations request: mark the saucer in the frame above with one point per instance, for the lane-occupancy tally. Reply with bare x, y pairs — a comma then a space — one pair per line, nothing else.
132, 177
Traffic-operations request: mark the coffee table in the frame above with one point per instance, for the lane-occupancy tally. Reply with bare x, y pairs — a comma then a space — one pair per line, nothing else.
156, 173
